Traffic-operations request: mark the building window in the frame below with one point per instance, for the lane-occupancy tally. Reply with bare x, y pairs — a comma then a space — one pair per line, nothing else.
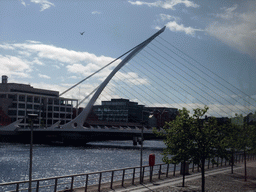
29, 106
21, 113
50, 101
30, 99
62, 116
62, 109
14, 97
56, 102
49, 115
36, 107
56, 108
22, 105
36, 99
22, 98
56, 115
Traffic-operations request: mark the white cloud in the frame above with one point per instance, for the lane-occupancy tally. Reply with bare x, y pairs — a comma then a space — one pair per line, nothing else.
7, 47
165, 17
70, 64
51, 52
45, 4
44, 76
175, 27
56, 66
131, 78
228, 12
36, 61
238, 30
23, 3
11, 65
168, 4
96, 12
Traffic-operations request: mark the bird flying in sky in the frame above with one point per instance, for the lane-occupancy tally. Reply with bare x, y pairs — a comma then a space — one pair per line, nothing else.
82, 33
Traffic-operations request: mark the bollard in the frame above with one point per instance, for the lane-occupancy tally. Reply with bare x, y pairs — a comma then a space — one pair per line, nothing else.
151, 162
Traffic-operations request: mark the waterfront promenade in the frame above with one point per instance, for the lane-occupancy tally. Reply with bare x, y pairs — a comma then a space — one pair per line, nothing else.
216, 180
219, 179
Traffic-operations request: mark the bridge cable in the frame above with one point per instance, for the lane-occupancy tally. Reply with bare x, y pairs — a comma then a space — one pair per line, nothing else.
186, 79
208, 70
99, 70
201, 77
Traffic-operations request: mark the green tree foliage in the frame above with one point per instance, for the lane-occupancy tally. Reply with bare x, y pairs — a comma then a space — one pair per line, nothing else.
245, 138
193, 138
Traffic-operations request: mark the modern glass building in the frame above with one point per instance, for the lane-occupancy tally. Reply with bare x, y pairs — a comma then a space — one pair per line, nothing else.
125, 111
119, 110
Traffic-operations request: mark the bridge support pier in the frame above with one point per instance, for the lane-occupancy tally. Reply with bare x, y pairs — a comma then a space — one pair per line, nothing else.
135, 141
140, 140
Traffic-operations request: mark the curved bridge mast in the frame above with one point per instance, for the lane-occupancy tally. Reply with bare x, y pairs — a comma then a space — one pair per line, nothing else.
80, 119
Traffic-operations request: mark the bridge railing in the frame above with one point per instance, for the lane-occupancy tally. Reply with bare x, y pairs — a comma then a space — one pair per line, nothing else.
111, 178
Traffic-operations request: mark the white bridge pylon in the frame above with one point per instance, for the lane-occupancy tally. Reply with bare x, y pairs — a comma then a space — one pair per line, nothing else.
78, 122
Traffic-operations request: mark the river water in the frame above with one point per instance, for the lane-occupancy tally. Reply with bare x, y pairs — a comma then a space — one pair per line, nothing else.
49, 161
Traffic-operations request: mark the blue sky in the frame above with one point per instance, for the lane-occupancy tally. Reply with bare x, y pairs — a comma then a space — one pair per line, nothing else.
40, 44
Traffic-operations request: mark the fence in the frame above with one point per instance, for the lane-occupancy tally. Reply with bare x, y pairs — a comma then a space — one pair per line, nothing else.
111, 178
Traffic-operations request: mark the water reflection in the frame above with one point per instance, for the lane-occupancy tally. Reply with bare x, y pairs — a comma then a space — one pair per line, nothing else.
49, 161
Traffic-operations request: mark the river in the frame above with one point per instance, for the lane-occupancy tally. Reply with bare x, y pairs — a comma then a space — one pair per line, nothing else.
49, 161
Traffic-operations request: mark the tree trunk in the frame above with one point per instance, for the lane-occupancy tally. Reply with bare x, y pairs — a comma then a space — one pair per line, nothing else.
183, 180
245, 172
232, 163
202, 173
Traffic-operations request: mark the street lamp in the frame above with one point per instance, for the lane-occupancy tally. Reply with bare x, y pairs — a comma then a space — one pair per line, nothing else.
141, 150
32, 117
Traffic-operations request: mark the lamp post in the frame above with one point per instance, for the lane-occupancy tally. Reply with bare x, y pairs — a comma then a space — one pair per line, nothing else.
32, 117
141, 150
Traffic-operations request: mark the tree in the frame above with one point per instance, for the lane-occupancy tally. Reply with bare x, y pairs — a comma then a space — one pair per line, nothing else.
245, 139
232, 136
193, 138
176, 134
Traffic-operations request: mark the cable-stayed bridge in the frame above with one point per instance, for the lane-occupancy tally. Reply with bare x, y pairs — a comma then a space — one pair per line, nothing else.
157, 74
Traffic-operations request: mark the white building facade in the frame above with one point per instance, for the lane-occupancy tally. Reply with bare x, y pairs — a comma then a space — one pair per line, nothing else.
19, 100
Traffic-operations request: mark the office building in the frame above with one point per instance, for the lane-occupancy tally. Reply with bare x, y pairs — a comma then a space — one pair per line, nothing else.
19, 100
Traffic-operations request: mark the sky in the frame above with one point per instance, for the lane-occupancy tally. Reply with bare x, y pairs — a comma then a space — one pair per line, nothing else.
41, 45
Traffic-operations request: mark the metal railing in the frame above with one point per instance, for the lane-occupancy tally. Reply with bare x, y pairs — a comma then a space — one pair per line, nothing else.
111, 178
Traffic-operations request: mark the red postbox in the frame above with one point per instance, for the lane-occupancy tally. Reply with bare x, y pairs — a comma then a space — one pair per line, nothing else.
152, 160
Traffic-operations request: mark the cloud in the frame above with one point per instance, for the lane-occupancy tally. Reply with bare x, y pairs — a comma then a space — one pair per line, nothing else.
25, 55
96, 12
45, 4
36, 61
70, 65
23, 3
164, 17
172, 24
175, 27
11, 65
44, 76
131, 78
237, 30
44, 51
228, 12
168, 4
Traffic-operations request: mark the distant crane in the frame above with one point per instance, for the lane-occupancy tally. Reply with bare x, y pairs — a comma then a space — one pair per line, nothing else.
82, 33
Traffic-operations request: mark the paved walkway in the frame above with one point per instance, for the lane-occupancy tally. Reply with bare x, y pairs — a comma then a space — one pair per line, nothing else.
215, 180
219, 179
